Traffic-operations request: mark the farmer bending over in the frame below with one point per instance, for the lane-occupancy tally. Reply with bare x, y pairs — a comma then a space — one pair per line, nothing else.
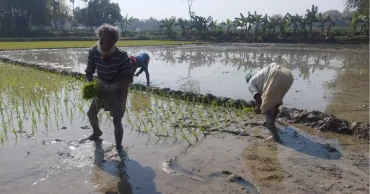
141, 60
114, 72
268, 87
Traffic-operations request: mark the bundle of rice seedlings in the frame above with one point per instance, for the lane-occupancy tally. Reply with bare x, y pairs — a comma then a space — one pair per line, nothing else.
90, 90
249, 109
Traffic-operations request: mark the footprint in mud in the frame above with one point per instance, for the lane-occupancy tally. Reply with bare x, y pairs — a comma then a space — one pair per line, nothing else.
172, 167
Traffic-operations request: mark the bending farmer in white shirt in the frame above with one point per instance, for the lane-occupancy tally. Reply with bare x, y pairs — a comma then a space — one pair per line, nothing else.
268, 87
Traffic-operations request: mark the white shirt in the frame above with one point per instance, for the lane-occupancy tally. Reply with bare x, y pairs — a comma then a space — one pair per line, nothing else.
258, 81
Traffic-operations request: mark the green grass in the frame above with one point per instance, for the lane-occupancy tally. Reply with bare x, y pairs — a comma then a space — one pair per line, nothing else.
84, 44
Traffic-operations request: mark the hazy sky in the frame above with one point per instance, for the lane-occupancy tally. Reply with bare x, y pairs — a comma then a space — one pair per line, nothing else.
219, 9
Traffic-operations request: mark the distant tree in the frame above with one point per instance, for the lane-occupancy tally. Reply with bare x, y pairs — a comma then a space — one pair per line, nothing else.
17, 17
333, 13
98, 12
361, 6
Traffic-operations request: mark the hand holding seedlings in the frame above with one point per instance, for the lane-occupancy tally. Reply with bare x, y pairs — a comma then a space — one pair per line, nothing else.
110, 88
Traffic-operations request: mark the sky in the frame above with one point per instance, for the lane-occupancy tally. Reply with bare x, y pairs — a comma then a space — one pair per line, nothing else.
219, 9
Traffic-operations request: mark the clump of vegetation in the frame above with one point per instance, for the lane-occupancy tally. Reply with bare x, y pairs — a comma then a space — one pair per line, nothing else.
89, 90
249, 109
30, 97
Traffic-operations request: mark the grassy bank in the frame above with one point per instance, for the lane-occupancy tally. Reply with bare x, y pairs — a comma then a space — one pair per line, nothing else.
84, 44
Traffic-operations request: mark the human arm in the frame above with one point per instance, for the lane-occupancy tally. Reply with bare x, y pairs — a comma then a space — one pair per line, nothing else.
140, 71
256, 92
126, 77
147, 76
91, 66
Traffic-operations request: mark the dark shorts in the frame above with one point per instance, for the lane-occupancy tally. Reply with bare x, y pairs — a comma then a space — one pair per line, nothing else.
117, 108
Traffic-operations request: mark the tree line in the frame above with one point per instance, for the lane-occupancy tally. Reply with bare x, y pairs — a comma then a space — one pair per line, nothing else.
25, 18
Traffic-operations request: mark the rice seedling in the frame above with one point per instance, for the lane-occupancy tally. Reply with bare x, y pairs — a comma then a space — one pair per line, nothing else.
5, 130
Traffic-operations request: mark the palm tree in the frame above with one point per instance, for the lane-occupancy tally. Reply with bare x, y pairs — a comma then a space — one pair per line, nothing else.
311, 16
228, 24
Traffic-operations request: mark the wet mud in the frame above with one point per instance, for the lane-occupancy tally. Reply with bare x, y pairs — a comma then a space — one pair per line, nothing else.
180, 142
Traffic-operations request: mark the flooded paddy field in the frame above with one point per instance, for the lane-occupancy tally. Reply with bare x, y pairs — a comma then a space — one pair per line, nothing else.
327, 78
171, 146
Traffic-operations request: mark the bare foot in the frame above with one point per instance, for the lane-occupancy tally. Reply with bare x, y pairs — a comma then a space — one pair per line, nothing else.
273, 139
95, 135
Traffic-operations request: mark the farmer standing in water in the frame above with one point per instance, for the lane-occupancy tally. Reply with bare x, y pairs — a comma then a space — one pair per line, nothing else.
141, 60
115, 74
268, 87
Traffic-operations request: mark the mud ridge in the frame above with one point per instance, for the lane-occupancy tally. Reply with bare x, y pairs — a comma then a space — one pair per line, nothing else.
325, 122
314, 119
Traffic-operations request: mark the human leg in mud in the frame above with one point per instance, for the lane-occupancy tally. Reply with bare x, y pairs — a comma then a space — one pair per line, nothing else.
270, 116
117, 112
276, 87
92, 114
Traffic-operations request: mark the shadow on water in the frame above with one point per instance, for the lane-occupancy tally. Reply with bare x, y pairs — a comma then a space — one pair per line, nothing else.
117, 174
306, 145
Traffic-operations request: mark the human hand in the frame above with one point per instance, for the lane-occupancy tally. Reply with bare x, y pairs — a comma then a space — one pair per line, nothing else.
110, 88
89, 77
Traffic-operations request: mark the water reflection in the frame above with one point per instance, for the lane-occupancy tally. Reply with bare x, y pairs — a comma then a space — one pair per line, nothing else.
220, 69
114, 173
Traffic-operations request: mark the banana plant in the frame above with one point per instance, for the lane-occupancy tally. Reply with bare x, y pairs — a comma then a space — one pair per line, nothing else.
236, 24
245, 21
228, 25
255, 19
272, 24
293, 20
311, 16
323, 20
264, 24
200, 23
167, 25
331, 23
303, 21
183, 23
283, 23
126, 21
213, 25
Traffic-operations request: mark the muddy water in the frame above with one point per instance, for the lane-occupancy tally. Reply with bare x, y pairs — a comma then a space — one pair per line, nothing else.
63, 162
56, 158
326, 79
